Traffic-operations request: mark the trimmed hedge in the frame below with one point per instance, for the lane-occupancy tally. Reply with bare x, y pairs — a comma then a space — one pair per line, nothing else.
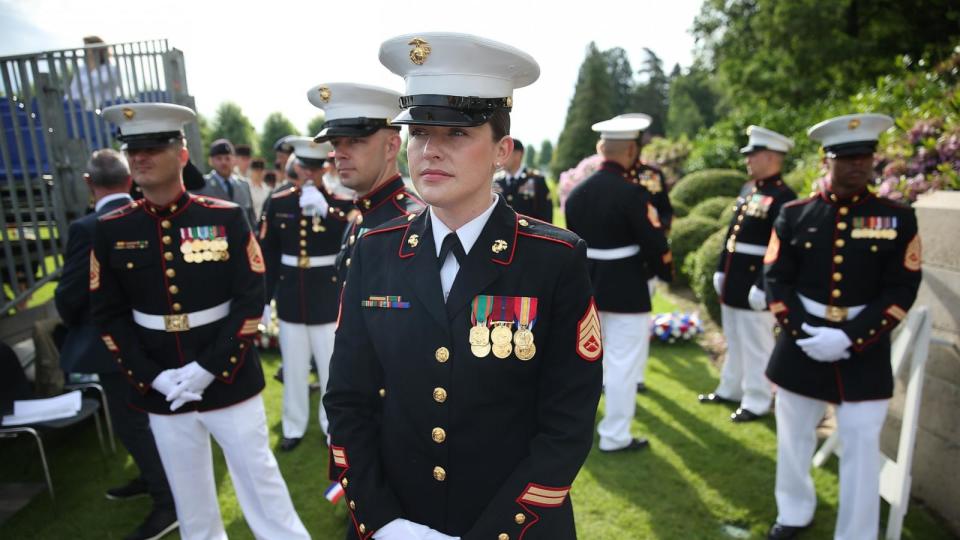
679, 209
699, 268
686, 236
701, 185
724, 219
713, 207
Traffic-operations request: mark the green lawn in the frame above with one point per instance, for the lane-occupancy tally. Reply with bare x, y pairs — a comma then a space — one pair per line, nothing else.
702, 473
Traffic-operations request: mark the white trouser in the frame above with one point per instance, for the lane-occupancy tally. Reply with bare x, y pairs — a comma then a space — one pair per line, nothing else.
859, 424
750, 342
626, 341
241, 431
298, 342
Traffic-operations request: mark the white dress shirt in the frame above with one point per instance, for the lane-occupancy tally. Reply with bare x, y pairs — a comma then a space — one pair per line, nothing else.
467, 234
111, 197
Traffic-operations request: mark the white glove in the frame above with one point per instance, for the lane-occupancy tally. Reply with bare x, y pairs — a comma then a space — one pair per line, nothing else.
313, 202
757, 298
825, 344
192, 380
266, 319
652, 286
718, 279
402, 529
167, 383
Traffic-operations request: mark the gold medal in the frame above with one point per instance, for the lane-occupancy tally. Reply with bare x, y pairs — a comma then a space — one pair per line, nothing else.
479, 335
225, 256
526, 352
186, 247
201, 245
502, 350
219, 245
188, 257
501, 335
480, 352
523, 338
207, 256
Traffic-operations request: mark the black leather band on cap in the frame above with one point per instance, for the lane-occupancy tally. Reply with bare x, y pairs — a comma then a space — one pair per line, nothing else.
463, 103
149, 140
351, 127
441, 110
857, 148
311, 162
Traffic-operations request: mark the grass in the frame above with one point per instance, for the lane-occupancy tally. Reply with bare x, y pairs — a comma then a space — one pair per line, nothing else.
702, 473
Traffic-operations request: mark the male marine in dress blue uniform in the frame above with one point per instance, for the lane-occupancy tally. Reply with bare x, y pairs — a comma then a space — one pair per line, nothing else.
842, 268
525, 189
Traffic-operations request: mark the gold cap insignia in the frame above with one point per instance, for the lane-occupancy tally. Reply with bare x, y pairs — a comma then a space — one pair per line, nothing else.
854, 124
509, 101
421, 50
499, 246
128, 113
324, 94
414, 240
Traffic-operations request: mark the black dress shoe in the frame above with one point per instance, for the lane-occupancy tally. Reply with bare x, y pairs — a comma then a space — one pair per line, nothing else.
641, 388
784, 532
289, 443
713, 398
635, 445
157, 525
133, 489
743, 415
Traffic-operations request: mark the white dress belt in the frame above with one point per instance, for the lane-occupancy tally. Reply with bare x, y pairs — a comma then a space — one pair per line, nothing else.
308, 262
830, 313
750, 249
612, 253
181, 322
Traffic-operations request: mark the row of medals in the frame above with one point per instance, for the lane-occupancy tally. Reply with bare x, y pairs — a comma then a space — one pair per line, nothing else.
198, 251
504, 340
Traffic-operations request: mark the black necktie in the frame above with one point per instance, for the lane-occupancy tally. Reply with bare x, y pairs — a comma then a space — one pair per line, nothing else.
451, 242
229, 188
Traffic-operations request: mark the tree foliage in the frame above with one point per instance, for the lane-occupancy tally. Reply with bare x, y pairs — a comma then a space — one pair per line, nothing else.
230, 123
275, 126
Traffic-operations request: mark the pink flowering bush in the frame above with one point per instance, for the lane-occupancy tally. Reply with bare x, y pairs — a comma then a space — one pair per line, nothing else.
571, 177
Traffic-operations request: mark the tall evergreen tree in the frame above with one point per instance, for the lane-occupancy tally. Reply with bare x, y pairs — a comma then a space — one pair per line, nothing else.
651, 93
230, 123
593, 100
546, 154
530, 156
275, 126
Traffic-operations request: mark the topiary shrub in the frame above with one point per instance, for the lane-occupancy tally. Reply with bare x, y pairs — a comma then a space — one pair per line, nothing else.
679, 209
723, 220
702, 185
712, 207
699, 268
686, 235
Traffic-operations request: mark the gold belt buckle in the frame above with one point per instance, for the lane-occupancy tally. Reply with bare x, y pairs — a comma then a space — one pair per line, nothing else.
836, 314
303, 262
176, 323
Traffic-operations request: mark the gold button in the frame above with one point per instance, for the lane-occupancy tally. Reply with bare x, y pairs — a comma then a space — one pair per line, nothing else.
753, 267
883, 322
382, 392
872, 331
438, 435
140, 385
166, 240
353, 505
439, 474
411, 217
740, 217
837, 259
439, 395
303, 243
119, 360
844, 211
873, 248
524, 223
839, 243
503, 536
347, 263
344, 482
168, 255
165, 224
225, 374
233, 359
173, 208
837, 276
283, 225
859, 341
173, 289
130, 372
842, 225
129, 265
786, 320
303, 253
333, 279
352, 239
363, 528
520, 519
836, 293
807, 245
442, 354
176, 306
243, 346
736, 227
793, 332
833, 196
303, 223
303, 232
171, 272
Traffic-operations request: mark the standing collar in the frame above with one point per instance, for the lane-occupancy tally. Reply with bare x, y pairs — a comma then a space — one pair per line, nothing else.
106, 199
174, 206
613, 166
770, 180
858, 197
468, 233
386, 190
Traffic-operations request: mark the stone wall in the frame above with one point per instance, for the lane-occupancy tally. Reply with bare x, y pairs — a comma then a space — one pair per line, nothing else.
936, 462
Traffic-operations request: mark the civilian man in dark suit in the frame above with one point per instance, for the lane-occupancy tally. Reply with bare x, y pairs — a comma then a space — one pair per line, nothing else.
223, 184
84, 352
